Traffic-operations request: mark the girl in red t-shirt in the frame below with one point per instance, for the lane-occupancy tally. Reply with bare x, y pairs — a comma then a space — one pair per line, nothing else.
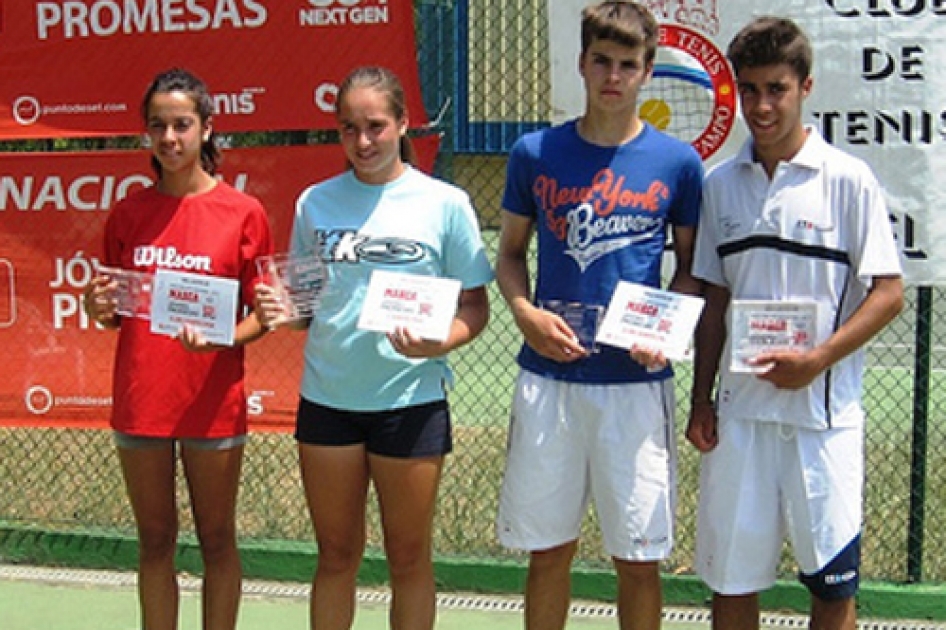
181, 394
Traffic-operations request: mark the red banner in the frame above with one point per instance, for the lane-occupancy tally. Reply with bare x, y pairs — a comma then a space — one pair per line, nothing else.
80, 67
56, 368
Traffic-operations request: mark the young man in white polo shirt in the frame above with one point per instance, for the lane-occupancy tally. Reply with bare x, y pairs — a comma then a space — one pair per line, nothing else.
788, 223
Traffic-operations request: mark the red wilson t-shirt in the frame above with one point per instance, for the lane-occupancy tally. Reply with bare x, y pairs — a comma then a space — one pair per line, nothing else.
159, 388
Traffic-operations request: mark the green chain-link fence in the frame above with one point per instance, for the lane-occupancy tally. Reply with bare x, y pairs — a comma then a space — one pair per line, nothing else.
485, 65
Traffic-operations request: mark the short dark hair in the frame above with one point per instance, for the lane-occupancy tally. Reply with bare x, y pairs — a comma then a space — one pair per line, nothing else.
628, 23
181, 80
769, 40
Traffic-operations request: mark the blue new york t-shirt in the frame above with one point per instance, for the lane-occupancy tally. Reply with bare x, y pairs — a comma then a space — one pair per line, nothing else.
602, 214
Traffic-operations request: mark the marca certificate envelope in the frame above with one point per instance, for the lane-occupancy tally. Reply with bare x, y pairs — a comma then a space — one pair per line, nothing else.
425, 305
206, 303
761, 325
650, 317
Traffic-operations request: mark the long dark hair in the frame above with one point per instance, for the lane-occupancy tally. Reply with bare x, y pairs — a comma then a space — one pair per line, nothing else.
387, 83
180, 80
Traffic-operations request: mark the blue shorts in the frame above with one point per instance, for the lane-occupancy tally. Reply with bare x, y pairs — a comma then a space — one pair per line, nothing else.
415, 431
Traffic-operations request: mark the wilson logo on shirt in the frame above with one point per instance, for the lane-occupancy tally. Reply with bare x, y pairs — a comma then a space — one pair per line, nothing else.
169, 258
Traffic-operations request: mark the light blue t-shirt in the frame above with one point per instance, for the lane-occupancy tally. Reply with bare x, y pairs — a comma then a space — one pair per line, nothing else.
415, 224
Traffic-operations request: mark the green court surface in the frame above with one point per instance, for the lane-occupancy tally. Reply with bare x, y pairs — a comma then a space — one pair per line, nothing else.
49, 599
34, 598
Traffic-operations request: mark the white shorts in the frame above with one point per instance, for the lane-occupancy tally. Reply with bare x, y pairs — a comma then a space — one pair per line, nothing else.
573, 442
765, 480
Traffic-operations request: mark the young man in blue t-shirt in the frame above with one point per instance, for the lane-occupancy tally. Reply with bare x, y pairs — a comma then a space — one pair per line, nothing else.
602, 192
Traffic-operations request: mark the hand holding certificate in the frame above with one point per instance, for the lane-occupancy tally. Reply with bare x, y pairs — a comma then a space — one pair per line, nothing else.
207, 304
760, 326
174, 301
654, 318
425, 305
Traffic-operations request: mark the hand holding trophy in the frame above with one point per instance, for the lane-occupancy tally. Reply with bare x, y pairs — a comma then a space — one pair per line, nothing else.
292, 287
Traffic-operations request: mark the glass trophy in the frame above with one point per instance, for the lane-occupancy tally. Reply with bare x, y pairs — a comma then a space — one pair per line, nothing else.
299, 280
583, 319
133, 292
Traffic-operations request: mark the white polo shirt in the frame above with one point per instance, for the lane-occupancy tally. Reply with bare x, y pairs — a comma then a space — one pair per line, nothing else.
818, 231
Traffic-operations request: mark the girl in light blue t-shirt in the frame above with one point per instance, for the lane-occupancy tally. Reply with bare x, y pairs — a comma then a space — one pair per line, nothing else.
373, 405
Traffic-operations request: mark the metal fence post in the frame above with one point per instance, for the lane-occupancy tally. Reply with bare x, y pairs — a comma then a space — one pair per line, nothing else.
921, 400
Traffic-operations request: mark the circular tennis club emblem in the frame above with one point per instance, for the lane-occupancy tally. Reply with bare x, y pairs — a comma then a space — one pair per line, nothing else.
692, 94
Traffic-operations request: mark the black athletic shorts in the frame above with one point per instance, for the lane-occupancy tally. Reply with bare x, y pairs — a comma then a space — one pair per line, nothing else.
415, 431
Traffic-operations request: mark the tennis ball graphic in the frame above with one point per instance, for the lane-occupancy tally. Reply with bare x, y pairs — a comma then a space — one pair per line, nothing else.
656, 112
